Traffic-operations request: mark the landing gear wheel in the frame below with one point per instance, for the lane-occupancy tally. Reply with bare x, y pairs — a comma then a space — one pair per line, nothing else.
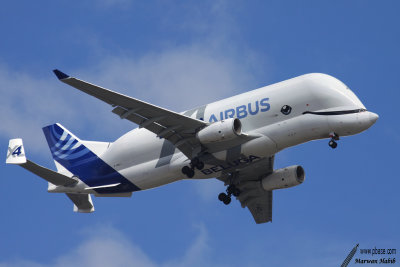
188, 171
227, 200
222, 196
190, 174
194, 161
230, 189
200, 165
332, 144
233, 190
185, 170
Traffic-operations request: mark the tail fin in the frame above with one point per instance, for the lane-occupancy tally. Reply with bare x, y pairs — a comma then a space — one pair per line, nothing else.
65, 147
72, 153
16, 152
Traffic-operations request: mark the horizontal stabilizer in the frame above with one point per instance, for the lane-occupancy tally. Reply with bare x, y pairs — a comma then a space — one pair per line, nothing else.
47, 174
16, 155
82, 202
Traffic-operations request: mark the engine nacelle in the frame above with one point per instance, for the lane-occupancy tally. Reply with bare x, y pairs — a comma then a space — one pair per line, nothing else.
284, 178
220, 131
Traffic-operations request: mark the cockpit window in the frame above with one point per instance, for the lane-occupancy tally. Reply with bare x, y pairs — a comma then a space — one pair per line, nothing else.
286, 109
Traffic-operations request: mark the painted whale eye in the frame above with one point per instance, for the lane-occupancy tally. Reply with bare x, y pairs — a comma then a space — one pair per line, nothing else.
286, 109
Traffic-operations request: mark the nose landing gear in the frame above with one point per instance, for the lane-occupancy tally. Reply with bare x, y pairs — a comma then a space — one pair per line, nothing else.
231, 190
195, 163
334, 137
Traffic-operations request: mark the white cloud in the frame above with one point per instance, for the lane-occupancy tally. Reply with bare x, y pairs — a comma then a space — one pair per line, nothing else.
28, 103
105, 246
208, 189
180, 78
198, 254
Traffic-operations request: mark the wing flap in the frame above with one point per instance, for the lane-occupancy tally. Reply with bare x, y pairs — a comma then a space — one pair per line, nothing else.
261, 207
257, 200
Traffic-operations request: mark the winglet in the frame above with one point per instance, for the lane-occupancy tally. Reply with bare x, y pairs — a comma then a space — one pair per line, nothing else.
60, 75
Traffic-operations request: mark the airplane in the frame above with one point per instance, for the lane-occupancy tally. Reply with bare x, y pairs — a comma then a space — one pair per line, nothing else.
234, 140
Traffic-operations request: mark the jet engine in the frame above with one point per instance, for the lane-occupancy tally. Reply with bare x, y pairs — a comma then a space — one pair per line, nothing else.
284, 178
220, 131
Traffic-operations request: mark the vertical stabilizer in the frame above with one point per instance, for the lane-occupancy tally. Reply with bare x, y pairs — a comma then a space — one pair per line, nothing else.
75, 156
65, 147
16, 152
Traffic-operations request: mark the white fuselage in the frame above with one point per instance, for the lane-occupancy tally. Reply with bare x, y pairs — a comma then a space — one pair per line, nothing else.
147, 161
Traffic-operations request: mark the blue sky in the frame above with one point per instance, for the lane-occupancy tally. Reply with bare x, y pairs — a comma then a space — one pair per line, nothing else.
180, 55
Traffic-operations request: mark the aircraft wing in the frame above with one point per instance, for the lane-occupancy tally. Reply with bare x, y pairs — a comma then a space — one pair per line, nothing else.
261, 208
253, 196
179, 129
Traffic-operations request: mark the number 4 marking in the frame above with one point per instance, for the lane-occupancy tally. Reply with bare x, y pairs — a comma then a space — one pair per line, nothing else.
17, 151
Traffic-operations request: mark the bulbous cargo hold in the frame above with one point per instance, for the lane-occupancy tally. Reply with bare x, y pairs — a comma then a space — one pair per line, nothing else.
220, 131
284, 178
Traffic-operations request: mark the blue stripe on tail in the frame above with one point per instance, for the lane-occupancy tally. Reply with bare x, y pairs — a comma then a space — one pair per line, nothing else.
79, 160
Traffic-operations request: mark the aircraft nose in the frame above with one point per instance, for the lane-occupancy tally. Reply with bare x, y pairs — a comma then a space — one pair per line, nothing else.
373, 117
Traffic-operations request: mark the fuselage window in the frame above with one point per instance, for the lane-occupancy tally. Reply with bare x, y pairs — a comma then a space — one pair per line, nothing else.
286, 109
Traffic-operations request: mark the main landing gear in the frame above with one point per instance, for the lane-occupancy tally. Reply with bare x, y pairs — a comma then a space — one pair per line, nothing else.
194, 164
231, 190
334, 137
